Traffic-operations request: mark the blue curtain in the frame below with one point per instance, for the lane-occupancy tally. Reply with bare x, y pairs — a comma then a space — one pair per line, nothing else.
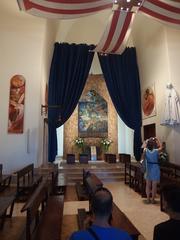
122, 80
69, 70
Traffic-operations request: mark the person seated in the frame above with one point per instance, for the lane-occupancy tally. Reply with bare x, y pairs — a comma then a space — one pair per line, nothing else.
101, 207
170, 229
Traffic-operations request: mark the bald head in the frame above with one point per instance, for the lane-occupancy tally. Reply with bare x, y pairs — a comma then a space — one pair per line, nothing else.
102, 202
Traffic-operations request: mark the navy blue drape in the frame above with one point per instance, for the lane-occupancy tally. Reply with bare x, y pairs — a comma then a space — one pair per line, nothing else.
122, 80
69, 70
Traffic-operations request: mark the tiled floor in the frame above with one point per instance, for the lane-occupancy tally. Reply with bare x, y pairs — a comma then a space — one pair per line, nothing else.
143, 216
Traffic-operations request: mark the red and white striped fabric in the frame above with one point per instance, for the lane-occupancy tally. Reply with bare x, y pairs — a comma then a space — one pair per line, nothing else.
116, 33
63, 9
162, 11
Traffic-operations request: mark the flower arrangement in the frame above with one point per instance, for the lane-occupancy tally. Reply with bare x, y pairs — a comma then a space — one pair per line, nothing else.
105, 144
79, 142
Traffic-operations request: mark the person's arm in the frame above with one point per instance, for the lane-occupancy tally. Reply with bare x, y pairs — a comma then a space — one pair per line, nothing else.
143, 154
158, 144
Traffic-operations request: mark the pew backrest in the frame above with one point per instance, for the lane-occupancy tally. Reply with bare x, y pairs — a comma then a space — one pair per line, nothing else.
34, 208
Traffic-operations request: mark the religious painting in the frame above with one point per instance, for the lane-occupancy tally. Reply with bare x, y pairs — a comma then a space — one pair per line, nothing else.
92, 115
16, 104
148, 102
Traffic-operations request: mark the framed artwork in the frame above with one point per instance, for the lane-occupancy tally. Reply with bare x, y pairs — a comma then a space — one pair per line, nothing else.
92, 116
16, 104
148, 102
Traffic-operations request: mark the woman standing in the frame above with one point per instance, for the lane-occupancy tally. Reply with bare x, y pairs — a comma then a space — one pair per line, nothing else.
152, 174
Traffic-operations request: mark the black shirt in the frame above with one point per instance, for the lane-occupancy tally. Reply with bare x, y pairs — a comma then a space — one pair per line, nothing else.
169, 230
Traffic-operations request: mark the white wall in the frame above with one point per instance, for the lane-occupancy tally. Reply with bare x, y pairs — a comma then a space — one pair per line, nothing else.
125, 138
173, 45
21, 45
158, 50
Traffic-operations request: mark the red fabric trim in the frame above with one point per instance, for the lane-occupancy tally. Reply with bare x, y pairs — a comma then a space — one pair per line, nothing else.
123, 32
29, 5
165, 6
73, 1
112, 30
159, 16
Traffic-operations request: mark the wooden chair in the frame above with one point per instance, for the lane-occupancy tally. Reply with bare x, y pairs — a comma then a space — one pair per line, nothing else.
123, 157
83, 158
70, 158
110, 158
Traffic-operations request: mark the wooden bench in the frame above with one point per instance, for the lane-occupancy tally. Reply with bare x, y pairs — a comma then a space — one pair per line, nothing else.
5, 180
92, 183
81, 188
170, 175
44, 214
49, 171
26, 182
5, 203
118, 219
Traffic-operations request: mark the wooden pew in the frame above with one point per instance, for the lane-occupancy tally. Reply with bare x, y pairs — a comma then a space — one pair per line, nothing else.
92, 183
49, 171
118, 218
170, 175
44, 214
81, 188
5, 180
26, 181
5, 203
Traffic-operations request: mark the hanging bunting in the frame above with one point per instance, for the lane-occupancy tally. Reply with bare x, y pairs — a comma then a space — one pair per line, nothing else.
63, 9
116, 33
161, 11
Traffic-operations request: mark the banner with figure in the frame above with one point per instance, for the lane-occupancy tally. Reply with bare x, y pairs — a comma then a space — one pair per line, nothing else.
16, 104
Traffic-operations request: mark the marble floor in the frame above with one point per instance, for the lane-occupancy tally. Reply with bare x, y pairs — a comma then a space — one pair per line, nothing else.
143, 216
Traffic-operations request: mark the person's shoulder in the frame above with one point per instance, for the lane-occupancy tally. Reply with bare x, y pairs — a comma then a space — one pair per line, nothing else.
120, 233
162, 225
78, 235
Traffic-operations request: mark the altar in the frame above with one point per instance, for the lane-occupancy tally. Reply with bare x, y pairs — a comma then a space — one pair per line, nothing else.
94, 153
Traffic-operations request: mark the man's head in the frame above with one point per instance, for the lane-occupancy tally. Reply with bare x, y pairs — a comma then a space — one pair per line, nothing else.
171, 196
102, 203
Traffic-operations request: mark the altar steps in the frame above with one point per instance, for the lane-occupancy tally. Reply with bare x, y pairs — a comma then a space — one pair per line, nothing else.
105, 171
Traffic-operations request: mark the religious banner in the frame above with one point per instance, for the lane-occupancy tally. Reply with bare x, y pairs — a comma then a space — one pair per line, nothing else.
92, 116
148, 102
16, 104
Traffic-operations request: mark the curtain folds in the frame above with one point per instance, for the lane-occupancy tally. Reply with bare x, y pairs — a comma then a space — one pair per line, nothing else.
69, 70
122, 80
